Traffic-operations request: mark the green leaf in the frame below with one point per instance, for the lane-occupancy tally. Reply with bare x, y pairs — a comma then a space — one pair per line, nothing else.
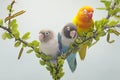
54, 70
48, 63
14, 15
34, 43
12, 22
48, 68
26, 36
108, 39
97, 38
60, 61
104, 21
114, 31
102, 33
60, 74
101, 8
113, 23
16, 34
89, 34
117, 17
36, 50
20, 53
15, 26
4, 36
48, 58
9, 36
38, 55
117, 1
17, 44
1, 22
43, 56
29, 51
100, 24
53, 65
24, 45
89, 43
78, 41
14, 29
114, 12
8, 7
60, 69
106, 3
42, 62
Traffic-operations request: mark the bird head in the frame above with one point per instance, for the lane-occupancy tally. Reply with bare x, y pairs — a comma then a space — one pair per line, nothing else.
45, 35
69, 31
85, 13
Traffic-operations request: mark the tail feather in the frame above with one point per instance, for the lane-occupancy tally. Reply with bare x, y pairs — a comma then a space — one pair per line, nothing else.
71, 59
82, 51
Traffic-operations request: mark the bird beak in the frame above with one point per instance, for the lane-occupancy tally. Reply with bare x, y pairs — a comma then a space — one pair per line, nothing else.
41, 36
90, 15
73, 33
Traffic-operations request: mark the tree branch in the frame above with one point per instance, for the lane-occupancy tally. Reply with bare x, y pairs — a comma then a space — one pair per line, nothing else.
19, 39
89, 38
95, 34
112, 8
11, 7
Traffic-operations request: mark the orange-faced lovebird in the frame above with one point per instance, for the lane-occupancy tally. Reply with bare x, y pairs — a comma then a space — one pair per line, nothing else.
84, 24
65, 38
49, 44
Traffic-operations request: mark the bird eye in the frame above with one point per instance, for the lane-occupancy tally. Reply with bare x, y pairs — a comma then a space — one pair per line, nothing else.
47, 33
85, 11
90, 12
68, 28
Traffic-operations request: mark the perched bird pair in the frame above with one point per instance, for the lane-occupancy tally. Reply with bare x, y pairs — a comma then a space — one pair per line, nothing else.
54, 46
82, 24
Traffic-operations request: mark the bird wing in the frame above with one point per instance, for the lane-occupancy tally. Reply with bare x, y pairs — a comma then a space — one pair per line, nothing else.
71, 59
59, 43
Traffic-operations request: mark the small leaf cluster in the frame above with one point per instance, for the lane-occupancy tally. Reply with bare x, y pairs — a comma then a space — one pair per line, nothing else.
112, 7
12, 32
55, 69
109, 23
1, 22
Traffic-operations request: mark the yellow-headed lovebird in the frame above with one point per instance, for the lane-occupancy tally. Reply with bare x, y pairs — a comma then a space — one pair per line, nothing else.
84, 24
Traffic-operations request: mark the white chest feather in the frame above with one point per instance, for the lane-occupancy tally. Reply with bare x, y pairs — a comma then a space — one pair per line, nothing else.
66, 41
50, 47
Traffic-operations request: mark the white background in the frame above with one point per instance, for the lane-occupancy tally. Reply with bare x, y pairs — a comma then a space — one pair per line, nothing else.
102, 61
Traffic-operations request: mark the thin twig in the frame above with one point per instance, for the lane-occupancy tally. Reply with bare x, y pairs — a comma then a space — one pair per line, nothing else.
19, 39
112, 8
11, 7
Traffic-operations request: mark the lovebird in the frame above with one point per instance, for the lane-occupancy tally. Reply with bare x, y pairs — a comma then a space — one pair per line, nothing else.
49, 44
84, 24
65, 38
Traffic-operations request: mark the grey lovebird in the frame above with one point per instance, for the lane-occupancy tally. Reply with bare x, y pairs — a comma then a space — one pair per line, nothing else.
65, 38
49, 44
